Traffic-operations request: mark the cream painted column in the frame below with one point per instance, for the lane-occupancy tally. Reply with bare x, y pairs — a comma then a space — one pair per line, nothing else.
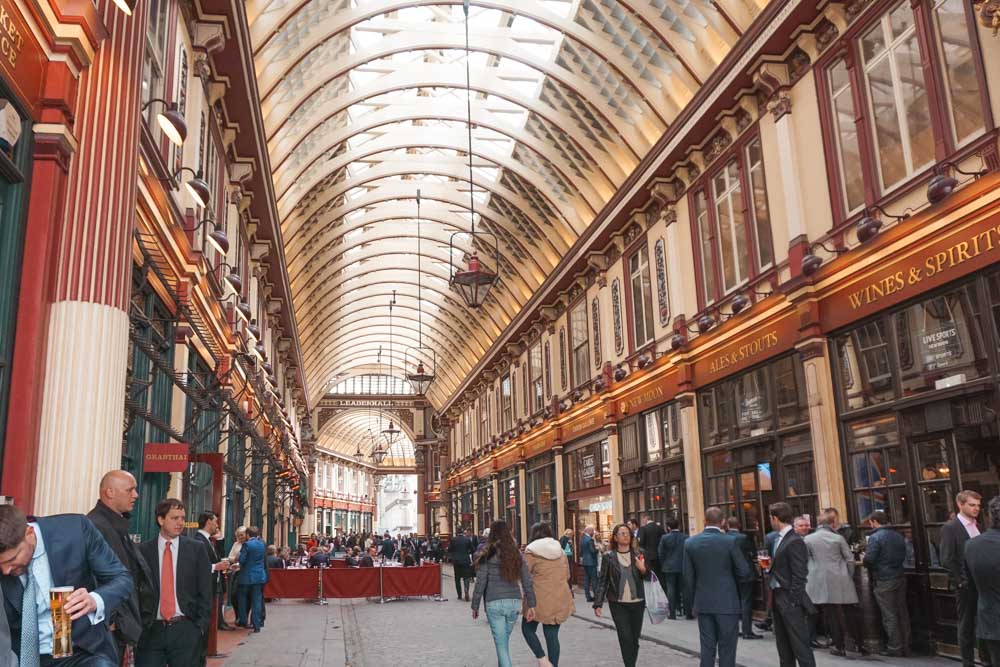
522, 500
495, 485
617, 496
475, 508
823, 424
86, 345
557, 452
693, 479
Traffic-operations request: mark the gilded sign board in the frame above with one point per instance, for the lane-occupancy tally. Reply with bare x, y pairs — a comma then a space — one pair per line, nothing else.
754, 346
965, 249
21, 57
648, 395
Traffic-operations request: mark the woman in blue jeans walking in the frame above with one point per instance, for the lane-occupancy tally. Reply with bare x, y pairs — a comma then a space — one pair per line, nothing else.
501, 575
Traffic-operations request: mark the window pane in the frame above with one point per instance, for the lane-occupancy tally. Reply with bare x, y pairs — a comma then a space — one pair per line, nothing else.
915, 103
964, 98
705, 238
732, 226
761, 214
652, 436
888, 133
642, 294
863, 357
849, 156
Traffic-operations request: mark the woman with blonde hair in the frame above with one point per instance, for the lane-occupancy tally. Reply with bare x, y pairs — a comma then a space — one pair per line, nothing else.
548, 566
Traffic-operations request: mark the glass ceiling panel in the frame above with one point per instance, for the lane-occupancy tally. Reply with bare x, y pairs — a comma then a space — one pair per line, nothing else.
365, 104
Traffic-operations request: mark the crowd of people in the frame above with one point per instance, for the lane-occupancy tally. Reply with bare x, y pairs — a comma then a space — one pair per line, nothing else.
806, 577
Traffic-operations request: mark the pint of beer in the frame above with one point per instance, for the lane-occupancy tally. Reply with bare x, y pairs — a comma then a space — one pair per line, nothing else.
62, 626
764, 558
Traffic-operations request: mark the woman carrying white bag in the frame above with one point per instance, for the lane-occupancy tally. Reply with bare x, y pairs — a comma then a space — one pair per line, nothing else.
621, 580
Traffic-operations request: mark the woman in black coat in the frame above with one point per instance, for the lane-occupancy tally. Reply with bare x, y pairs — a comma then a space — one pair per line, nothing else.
620, 580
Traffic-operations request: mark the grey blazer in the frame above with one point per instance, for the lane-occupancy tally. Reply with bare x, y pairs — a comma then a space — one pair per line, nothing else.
7, 656
831, 569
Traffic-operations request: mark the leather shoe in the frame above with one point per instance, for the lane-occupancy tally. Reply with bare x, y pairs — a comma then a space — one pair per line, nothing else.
752, 636
226, 626
815, 644
837, 652
672, 617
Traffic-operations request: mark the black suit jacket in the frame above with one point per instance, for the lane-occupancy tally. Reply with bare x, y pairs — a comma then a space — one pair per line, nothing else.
982, 571
79, 557
193, 582
791, 568
953, 539
213, 557
649, 540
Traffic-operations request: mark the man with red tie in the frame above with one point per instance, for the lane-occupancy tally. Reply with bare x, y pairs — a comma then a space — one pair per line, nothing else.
184, 590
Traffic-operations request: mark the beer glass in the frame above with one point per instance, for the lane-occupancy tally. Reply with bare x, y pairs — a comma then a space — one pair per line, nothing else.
62, 626
764, 558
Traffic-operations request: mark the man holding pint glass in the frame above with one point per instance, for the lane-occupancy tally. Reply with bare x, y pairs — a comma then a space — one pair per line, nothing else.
59, 578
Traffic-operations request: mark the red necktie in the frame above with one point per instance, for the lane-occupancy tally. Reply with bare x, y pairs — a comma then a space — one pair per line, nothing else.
168, 605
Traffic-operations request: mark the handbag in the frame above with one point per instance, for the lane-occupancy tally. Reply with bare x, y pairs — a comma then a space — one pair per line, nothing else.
656, 600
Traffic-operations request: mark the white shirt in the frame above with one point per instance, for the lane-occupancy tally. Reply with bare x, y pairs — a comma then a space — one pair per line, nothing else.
161, 543
208, 538
41, 572
970, 525
781, 536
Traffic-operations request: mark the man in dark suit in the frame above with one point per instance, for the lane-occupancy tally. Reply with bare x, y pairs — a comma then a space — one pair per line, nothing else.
252, 577
111, 517
713, 568
768, 623
461, 549
588, 559
649, 542
789, 570
745, 545
183, 585
208, 536
954, 536
7, 656
670, 553
982, 573
56, 551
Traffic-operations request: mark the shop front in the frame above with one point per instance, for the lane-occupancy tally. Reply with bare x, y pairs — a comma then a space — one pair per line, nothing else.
588, 486
663, 473
540, 491
917, 400
484, 505
509, 500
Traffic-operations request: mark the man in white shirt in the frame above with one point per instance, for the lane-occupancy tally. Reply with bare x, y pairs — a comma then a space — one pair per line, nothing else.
59, 551
954, 536
184, 590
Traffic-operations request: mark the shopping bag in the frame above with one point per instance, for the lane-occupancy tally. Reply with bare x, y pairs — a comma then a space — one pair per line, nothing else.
656, 600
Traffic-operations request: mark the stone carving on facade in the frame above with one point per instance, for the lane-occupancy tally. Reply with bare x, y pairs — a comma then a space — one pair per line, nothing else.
616, 315
562, 357
661, 282
595, 319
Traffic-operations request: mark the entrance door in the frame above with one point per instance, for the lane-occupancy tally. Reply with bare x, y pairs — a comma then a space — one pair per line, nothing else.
756, 492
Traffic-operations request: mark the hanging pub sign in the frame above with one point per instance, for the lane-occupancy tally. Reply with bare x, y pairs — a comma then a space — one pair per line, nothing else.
165, 457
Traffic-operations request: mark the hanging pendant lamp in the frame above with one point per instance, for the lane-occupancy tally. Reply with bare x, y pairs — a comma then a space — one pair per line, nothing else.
472, 280
390, 433
422, 376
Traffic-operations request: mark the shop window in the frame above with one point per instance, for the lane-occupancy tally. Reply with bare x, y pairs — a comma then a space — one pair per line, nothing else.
733, 223
897, 76
790, 392
578, 340
628, 444
586, 466
673, 439
863, 356
878, 471
642, 298
651, 433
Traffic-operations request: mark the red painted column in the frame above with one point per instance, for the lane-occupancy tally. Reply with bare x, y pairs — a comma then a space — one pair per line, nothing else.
75, 292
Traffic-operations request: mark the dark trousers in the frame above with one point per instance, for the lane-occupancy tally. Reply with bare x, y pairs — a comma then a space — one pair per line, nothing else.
967, 599
891, 598
589, 581
530, 631
791, 633
838, 620
628, 623
993, 647
718, 634
746, 607
80, 658
251, 599
675, 594
459, 580
174, 645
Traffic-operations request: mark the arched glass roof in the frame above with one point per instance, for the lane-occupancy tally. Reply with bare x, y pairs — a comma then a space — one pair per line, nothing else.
364, 103
361, 428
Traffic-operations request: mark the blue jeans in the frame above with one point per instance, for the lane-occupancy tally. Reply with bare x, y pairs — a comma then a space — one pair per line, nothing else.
502, 615
530, 629
251, 599
589, 581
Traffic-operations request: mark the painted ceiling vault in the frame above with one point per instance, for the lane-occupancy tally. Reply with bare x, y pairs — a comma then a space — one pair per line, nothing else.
364, 104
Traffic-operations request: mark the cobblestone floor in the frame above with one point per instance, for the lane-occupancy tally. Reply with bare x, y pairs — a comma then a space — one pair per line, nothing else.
359, 633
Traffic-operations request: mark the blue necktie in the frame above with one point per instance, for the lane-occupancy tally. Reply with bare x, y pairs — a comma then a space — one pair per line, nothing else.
29, 623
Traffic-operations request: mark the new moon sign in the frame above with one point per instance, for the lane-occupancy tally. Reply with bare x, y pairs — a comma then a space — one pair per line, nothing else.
165, 457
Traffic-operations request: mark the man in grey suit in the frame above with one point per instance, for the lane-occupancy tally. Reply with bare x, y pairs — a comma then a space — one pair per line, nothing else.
713, 570
830, 582
982, 572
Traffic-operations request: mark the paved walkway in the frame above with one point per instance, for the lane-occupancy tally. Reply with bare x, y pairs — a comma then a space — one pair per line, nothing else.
359, 633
